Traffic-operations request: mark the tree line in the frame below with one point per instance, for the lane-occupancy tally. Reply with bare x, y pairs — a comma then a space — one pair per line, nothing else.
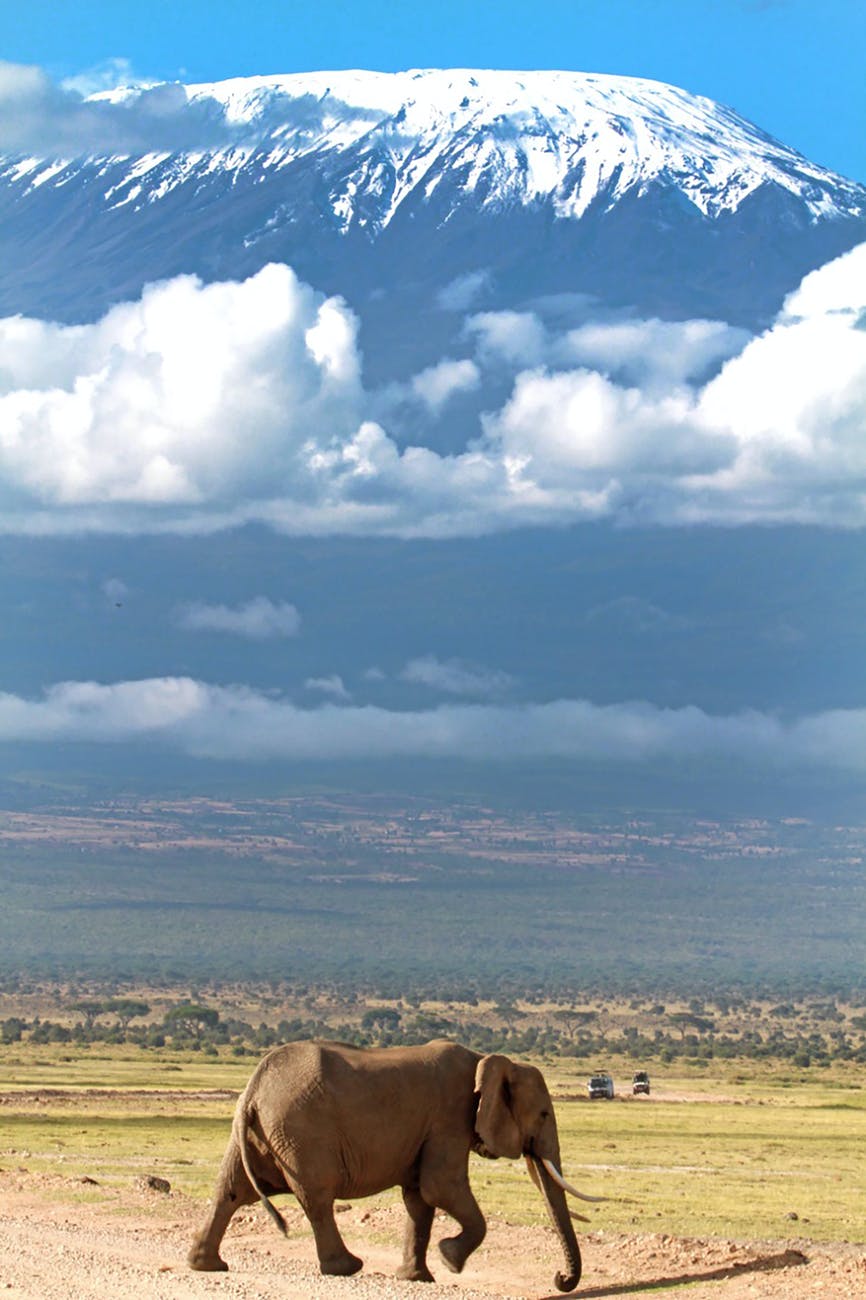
575, 1033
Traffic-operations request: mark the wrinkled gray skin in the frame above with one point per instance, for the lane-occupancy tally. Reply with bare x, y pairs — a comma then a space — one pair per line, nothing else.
327, 1121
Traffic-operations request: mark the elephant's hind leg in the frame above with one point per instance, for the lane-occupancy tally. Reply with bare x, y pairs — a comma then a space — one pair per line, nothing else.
233, 1189
417, 1238
334, 1256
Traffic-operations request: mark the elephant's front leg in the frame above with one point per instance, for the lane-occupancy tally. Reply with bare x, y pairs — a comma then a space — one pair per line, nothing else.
463, 1207
417, 1238
445, 1183
334, 1256
233, 1190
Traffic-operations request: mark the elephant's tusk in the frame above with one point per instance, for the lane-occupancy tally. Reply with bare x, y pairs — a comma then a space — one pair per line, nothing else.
567, 1187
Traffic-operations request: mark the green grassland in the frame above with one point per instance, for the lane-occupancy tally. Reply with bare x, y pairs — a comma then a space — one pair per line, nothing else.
731, 1152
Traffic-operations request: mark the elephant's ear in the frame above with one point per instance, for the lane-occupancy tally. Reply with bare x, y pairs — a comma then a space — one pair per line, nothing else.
495, 1124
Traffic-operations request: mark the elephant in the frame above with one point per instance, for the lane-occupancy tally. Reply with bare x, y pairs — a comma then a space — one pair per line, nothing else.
325, 1120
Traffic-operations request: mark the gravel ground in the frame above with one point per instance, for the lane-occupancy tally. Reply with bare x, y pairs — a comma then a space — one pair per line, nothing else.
57, 1243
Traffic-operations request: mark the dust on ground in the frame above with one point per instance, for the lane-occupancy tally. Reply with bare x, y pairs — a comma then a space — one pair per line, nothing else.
62, 1237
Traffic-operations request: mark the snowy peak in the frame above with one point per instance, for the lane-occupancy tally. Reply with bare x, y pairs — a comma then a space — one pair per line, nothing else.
493, 139
632, 192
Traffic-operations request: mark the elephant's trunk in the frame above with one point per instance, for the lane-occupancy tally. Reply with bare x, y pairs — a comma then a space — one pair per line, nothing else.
557, 1208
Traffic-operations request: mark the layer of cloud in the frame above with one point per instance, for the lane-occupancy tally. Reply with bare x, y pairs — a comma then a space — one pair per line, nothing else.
456, 677
258, 619
206, 406
219, 722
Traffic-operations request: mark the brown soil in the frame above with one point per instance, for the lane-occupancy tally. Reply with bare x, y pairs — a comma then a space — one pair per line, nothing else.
55, 1243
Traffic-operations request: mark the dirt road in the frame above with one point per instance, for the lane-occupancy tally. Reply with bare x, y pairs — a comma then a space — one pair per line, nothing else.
57, 1243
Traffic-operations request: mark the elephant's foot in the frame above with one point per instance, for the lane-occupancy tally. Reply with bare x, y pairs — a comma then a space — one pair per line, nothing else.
453, 1254
204, 1260
414, 1273
340, 1265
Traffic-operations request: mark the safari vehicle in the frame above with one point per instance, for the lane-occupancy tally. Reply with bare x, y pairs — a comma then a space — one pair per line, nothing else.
600, 1085
640, 1083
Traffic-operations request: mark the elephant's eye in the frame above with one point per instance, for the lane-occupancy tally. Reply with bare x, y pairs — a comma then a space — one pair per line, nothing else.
545, 1114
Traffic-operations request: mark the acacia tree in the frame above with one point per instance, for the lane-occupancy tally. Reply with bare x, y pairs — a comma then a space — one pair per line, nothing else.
126, 1009
573, 1019
90, 1009
687, 1020
191, 1019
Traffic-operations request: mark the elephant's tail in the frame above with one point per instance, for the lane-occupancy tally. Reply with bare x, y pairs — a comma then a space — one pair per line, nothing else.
242, 1124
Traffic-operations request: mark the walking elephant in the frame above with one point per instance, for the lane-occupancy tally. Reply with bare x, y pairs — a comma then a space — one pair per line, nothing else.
325, 1121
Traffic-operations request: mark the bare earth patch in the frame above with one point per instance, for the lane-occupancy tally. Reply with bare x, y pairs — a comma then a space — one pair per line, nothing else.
60, 1237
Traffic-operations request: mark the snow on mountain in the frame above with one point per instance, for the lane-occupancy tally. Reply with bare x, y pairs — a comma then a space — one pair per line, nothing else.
507, 137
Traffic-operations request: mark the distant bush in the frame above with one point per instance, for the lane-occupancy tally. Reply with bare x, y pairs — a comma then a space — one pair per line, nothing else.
12, 1029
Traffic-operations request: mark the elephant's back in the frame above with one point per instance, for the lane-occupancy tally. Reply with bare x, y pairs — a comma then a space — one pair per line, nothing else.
439, 1059
291, 1062
320, 1073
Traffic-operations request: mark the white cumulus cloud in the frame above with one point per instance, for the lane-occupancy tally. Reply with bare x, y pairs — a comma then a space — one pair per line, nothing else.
435, 385
511, 338
194, 395
257, 619
653, 353
777, 435
206, 406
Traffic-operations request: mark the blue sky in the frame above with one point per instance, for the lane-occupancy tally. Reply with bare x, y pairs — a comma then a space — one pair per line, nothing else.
794, 67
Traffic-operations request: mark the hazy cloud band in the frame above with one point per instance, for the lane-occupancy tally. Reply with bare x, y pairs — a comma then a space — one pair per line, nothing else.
219, 722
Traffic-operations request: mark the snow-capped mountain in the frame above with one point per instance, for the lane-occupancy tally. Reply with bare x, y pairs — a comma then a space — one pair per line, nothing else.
387, 187
507, 138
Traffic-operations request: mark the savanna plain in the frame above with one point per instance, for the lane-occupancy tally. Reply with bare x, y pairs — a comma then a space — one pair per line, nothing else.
736, 1177
152, 950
